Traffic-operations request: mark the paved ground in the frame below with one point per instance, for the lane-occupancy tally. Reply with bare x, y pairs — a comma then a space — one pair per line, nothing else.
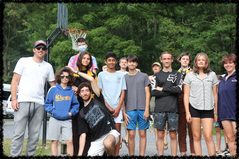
150, 148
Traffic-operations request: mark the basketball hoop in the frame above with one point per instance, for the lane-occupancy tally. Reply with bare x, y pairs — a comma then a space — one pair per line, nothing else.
75, 34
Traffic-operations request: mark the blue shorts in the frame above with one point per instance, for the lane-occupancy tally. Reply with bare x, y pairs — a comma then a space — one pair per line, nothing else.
137, 116
161, 118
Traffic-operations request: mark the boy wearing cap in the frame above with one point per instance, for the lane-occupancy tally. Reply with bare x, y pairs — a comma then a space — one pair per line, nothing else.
30, 75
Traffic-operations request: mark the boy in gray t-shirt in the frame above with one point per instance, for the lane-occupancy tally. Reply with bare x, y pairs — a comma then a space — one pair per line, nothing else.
137, 98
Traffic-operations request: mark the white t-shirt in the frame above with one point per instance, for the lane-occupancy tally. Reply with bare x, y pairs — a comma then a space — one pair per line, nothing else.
111, 84
33, 78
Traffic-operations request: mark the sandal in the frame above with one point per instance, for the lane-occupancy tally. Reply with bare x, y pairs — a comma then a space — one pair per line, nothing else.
124, 141
120, 145
165, 146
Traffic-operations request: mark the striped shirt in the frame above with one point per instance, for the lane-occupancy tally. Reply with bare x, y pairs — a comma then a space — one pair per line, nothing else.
73, 60
201, 95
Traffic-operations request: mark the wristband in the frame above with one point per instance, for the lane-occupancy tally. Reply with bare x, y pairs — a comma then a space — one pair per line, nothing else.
215, 113
14, 99
78, 155
77, 72
188, 113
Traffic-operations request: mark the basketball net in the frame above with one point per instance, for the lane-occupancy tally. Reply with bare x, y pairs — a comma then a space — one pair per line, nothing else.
75, 34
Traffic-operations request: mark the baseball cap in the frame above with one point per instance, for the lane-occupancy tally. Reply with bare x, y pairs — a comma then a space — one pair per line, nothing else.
39, 42
156, 63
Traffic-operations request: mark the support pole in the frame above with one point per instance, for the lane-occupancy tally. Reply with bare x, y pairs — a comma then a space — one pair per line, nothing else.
57, 31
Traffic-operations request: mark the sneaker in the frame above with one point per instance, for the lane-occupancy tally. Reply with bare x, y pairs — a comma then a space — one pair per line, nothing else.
226, 150
228, 154
220, 154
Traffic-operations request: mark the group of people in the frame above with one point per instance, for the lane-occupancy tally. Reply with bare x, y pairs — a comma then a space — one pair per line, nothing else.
87, 110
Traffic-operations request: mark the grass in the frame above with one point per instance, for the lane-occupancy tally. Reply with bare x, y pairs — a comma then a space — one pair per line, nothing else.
40, 150
7, 120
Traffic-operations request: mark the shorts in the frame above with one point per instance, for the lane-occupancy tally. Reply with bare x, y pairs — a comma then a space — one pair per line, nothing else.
216, 124
137, 116
119, 118
161, 118
195, 113
97, 147
58, 127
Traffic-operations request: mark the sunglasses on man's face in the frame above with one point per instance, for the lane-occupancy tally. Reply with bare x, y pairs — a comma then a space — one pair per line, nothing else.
40, 47
62, 76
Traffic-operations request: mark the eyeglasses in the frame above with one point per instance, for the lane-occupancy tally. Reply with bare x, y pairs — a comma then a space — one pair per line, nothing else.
62, 76
39, 48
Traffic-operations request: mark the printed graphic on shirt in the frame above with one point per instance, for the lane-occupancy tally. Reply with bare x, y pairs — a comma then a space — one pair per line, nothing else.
59, 97
94, 116
234, 80
153, 82
172, 77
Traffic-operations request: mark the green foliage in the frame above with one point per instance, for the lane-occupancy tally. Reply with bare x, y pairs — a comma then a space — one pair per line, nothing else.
143, 29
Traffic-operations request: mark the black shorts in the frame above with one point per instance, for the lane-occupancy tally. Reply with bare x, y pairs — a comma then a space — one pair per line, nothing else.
195, 113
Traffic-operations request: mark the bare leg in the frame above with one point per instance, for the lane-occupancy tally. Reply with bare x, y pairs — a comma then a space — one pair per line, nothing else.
230, 129
207, 124
173, 142
126, 133
131, 141
156, 137
69, 145
118, 127
109, 144
54, 147
142, 142
196, 129
225, 137
165, 136
160, 143
218, 136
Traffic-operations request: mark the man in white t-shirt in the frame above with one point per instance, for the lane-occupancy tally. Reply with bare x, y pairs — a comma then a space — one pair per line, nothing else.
30, 75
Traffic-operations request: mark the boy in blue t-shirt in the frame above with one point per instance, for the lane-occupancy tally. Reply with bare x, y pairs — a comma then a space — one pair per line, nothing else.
61, 103
112, 84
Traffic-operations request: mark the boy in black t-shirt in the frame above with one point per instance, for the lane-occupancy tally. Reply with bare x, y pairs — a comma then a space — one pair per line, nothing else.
96, 121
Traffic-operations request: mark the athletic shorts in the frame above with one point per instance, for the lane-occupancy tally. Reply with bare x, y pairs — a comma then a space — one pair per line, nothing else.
58, 127
97, 147
161, 118
119, 118
137, 116
216, 124
195, 113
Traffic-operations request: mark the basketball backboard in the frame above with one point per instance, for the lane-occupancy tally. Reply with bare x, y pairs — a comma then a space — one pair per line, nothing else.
62, 17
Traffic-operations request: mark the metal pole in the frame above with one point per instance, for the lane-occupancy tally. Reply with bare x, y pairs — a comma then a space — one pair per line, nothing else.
48, 43
45, 113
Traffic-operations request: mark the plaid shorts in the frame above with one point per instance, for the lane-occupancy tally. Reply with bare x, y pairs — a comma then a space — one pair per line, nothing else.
161, 118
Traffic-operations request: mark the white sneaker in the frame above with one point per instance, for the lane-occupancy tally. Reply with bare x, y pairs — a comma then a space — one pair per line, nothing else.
228, 154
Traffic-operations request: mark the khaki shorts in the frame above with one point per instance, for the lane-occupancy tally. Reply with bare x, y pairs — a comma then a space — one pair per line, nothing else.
58, 127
